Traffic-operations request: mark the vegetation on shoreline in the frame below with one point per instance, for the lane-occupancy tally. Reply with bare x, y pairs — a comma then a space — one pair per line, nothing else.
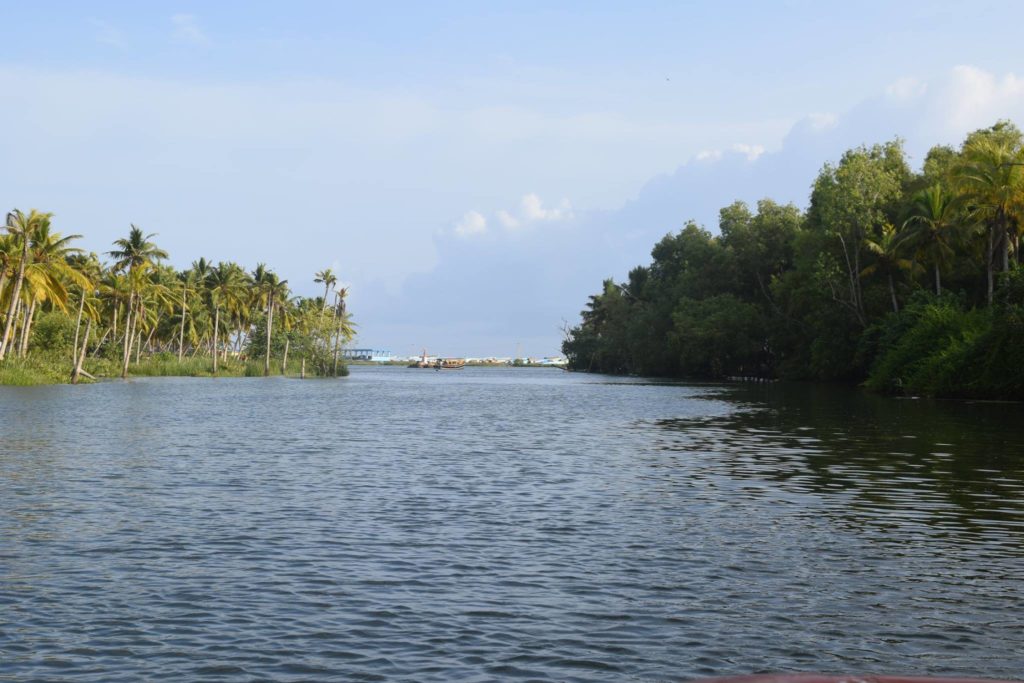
65, 315
908, 282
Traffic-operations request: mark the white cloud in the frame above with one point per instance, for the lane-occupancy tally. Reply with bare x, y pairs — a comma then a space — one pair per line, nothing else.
507, 220
472, 223
186, 30
752, 152
108, 34
974, 97
709, 155
532, 209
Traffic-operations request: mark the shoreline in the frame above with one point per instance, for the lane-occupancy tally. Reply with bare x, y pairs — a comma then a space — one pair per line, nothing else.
42, 371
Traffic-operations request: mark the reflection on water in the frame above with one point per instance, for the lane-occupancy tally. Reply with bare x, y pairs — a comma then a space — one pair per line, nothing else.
910, 467
503, 524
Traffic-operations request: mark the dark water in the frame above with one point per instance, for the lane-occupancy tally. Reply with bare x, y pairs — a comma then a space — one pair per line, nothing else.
503, 525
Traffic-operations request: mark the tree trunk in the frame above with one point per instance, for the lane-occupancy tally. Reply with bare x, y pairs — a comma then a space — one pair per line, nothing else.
9, 324
938, 281
270, 327
1004, 240
853, 275
990, 255
78, 324
99, 345
284, 362
181, 333
127, 345
81, 357
337, 341
216, 331
26, 329
892, 293
302, 372
858, 291
149, 339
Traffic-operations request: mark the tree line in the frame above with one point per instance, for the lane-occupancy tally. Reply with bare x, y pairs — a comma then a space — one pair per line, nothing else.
71, 309
908, 281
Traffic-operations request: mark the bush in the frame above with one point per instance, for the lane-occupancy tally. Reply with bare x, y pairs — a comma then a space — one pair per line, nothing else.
936, 347
53, 331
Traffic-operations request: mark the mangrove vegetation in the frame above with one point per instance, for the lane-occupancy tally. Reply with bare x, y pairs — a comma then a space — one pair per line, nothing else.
67, 315
909, 282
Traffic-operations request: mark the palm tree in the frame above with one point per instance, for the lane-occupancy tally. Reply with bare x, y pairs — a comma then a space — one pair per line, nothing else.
277, 291
342, 324
91, 270
329, 279
48, 275
991, 178
931, 229
272, 292
886, 250
225, 288
136, 254
8, 257
20, 227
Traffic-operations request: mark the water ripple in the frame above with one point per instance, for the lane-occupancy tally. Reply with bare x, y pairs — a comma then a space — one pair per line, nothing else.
523, 525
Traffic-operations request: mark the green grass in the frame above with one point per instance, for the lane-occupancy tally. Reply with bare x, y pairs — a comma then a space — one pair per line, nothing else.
39, 369
31, 371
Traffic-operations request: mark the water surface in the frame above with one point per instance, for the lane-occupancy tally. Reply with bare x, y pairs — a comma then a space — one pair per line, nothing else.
492, 524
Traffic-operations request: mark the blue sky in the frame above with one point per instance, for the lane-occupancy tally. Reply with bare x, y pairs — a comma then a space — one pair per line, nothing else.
471, 169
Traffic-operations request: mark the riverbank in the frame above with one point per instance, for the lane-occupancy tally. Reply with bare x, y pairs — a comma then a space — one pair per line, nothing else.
469, 364
889, 280
36, 370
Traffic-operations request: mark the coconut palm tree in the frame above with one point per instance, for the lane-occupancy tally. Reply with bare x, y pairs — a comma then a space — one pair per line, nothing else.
91, 270
48, 275
329, 279
134, 254
269, 291
931, 230
342, 324
991, 178
225, 286
20, 227
888, 261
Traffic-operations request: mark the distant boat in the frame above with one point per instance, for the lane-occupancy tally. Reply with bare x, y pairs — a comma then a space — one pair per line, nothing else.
439, 364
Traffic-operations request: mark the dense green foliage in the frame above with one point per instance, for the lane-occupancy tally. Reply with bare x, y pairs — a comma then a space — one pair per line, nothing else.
909, 281
65, 315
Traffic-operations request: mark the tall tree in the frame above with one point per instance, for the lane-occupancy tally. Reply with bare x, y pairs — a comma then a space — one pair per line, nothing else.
134, 254
931, 230
888, 260
225, 287
991, 178
329, 279
852, 202
20, 227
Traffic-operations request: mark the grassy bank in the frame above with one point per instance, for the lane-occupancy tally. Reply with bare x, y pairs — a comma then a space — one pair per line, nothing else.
49, 369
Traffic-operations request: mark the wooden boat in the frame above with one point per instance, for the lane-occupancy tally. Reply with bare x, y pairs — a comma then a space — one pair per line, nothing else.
439, 364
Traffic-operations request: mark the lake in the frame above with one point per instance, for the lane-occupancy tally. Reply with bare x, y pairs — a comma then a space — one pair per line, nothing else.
504, 524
